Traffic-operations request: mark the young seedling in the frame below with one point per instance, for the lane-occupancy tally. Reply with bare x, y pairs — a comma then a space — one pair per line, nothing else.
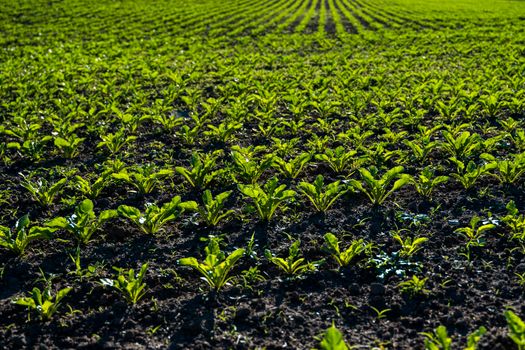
357, 249
201, 172
507, 171
216, 266
224, 132
144, 178
154, 218
90, 188
43, 302
168, 121
293, 265
426, 182
79, 271
69, 145
42, 191
439, 339
333, 340
377, 189
115, 142
515, 221
248, 168
339, 160
34, 149
129, 284
292, 168
460, 146
516, 328
414, 286
409, 246
269, 198
469, 174
213, 211
322, 197
474, 234
18, 238
84, 222
421, 148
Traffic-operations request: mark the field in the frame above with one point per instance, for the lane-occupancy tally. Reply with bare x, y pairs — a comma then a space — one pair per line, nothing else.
254, 174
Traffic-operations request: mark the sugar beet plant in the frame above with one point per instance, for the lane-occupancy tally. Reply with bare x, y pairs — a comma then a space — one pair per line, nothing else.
17, 239
320, 195
216, 266
128, 283
213, 208
378, 189
292, 265
83, 223
268, 198
43, 301
152, 220
357, 250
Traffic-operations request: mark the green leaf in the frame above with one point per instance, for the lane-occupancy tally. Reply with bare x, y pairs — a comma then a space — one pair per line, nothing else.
333, 340
22, 223
128, 211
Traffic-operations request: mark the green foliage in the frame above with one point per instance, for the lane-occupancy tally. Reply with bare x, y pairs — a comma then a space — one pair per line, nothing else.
515, 221
18, 238
333, 340
378, 189
201, 172
130, 285
293, 264
474, 338
421, 149
414, 286
469, 174
154, 217
216, 266
409, 245
269, 198
115, 142
69, 145
253, 90
462, 145
356, 250
33, 149
143, 178
168, 121
224, 132
516, 328
292, 168
213, 211
439, 339
247, 168
322, 197
89, 188
507, 171
87, 272
84, 222
42, 191
340, 160
43, 301
474, 233
426, 182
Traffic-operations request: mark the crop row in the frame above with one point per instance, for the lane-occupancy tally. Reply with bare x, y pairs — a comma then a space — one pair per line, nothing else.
215, 19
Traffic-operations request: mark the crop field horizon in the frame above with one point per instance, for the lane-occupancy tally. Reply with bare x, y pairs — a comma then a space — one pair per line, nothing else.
247, 174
